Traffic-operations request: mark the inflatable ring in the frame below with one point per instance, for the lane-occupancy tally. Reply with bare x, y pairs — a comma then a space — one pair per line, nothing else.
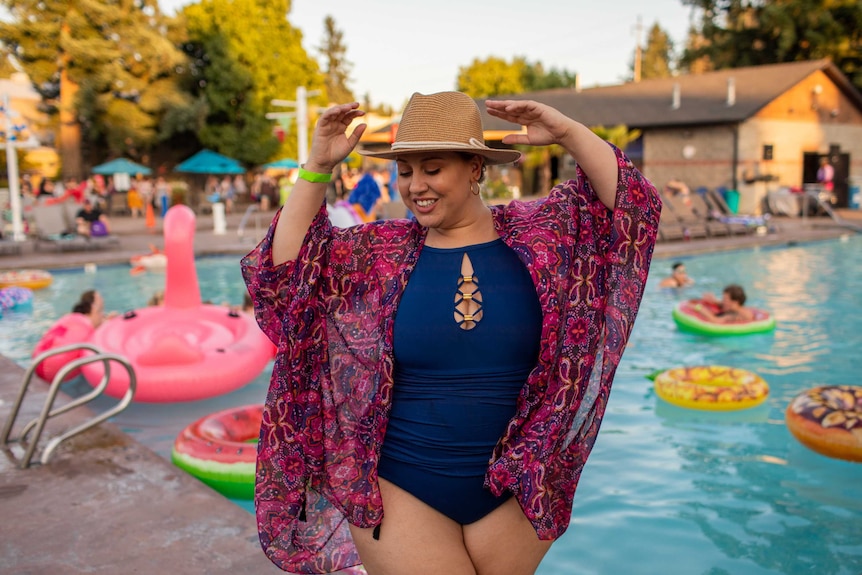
15, 298
155, 261
688, 318
220, 449
711, 387
32, 279
69, 329
828, 420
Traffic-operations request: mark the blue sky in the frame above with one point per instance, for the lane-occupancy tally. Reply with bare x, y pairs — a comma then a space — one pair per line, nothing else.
398, 48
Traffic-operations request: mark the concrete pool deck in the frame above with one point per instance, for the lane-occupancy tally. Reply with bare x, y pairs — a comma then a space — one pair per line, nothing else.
107, 504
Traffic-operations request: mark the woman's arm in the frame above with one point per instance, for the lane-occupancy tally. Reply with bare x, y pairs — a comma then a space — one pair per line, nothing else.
330, 144
546, 125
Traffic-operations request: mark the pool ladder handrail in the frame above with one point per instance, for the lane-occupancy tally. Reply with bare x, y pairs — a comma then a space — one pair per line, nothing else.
240, 230
47, 411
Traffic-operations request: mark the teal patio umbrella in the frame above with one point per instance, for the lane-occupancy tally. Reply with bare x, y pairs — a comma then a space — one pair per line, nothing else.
121, 166
209, 162
282, 164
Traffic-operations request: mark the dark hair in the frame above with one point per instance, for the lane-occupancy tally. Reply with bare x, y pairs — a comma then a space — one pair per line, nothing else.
85, 302
735, 293
467, 156
677, 265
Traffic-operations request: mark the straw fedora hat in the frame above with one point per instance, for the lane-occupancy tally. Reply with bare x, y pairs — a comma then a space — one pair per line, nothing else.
442, 122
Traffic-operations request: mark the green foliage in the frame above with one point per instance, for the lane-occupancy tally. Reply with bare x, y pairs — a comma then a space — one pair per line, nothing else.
243, 54
534, 78
491, 77
736, 33
658, 55
494, 77
498, 190
6, 67
619, 135
117, 57
23, 165
337, 69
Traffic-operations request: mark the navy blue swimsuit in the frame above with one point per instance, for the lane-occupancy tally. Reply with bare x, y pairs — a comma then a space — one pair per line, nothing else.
455, 390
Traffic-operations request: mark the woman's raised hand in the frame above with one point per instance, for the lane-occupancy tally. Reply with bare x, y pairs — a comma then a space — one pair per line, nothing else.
545, 125
330, 143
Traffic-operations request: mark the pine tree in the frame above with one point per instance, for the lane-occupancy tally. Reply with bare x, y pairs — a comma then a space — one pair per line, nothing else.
337, 69
658, 55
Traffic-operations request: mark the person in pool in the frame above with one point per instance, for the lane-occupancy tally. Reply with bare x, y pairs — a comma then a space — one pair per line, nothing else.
731, 305
678, 277
91, 304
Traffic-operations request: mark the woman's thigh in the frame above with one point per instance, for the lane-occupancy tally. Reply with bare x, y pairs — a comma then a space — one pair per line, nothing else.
504, 541
415, 539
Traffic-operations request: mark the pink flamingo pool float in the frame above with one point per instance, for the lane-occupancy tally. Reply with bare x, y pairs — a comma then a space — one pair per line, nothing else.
183, 350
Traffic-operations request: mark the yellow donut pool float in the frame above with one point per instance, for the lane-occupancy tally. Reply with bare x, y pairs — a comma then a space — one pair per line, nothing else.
31, 279
711, 387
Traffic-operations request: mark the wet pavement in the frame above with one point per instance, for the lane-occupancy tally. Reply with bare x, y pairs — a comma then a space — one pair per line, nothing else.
106, 504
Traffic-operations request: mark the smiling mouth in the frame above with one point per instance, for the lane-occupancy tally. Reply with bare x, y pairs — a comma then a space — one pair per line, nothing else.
425, 203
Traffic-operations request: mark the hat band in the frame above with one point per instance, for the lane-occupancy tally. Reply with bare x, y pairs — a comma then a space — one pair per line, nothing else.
472, 144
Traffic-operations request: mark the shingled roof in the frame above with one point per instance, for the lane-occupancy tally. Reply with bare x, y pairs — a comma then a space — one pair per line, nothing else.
703, 98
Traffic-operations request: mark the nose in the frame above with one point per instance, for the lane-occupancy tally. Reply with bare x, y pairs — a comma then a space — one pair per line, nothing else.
417, 183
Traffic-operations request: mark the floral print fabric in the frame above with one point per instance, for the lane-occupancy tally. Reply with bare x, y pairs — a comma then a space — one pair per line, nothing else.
331, 314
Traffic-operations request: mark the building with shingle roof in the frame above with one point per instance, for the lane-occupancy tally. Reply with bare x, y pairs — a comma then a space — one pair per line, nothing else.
754, 129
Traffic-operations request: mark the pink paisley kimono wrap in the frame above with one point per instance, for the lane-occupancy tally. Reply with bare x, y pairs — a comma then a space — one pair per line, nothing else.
331, 313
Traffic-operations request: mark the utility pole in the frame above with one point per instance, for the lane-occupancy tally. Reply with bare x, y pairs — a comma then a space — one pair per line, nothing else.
301, 115
638, 51
11, 132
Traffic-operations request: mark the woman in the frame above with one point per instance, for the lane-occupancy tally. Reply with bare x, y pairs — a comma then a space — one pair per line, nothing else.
440, 381
76, 327
91, 305
678, 277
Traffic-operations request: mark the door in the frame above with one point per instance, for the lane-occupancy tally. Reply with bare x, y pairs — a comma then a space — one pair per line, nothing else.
841, 163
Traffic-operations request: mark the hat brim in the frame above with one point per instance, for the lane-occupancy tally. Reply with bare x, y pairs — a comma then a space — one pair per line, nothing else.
491, 155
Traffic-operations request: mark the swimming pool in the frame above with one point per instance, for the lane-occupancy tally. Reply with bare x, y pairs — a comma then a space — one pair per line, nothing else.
666, 490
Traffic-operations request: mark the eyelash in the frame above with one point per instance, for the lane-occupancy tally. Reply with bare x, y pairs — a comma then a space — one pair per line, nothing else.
433, 172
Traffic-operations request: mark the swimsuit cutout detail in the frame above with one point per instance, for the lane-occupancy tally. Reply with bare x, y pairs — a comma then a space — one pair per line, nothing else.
468, 298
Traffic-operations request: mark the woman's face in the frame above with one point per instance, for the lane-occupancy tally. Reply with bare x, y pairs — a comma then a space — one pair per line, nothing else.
98, 303
436, 186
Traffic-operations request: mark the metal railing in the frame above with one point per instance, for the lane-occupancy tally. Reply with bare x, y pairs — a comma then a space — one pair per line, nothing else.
38, 424
251, 210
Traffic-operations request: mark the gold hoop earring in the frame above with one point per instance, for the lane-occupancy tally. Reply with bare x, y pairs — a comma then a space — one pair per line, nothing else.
475, 193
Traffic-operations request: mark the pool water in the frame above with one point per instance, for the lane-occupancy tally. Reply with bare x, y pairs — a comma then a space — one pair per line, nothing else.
666, 490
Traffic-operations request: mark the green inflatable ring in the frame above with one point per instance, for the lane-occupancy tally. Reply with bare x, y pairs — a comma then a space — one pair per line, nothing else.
688, 319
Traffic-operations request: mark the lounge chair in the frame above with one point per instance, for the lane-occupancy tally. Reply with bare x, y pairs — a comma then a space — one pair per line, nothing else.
669, 227
710, 217
10, 247
693, 225
55, 226
739, 223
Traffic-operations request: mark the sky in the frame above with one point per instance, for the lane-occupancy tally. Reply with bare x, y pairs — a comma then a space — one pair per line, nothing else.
400, 47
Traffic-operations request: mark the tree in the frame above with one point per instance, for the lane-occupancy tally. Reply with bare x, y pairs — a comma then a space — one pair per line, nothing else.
337, 69
658, 55
6, 67
109, 65
494, 77
534, 78
755, 32
491, 77
244, 54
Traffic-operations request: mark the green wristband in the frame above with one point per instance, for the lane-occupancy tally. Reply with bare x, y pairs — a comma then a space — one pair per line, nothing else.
315, 177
